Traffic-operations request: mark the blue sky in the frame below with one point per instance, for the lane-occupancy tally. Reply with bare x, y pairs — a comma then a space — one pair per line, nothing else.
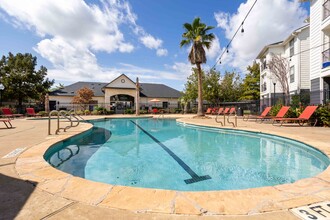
98, 40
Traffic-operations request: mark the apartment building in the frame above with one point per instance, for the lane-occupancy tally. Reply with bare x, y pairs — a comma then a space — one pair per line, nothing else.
295, 50
320, 51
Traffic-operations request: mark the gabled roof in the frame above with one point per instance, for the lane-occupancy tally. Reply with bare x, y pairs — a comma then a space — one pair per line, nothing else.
71, 90
263, 51
118, 83
158, 91
282, 43
147, 90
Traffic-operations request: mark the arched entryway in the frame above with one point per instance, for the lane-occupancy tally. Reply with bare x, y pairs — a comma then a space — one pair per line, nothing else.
120, 102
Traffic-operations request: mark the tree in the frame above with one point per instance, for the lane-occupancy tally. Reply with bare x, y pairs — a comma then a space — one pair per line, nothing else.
83, 97
280, 68
212, 87
57, 87
230, 87
196, 35
21, 80
191, 86
251, 84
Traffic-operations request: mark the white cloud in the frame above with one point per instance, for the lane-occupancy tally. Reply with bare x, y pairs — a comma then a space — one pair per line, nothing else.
183, 69
73, 32
151, 42
269, 21
214, 50
162, 52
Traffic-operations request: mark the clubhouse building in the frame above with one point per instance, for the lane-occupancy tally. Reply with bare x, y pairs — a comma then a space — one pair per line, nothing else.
120, 94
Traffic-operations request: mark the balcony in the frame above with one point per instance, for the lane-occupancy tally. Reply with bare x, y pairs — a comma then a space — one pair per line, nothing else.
263, 66
326, 9
326, 58
325, 26
263, 87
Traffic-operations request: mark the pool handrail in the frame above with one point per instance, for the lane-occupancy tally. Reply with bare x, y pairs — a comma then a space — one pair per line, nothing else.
64, 114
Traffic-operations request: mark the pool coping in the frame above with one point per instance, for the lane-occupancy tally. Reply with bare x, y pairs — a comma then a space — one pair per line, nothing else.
32, 167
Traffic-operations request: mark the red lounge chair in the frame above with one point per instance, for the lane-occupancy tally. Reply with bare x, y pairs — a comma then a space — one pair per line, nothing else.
8, 113
232, 111
280, 114
262, 115
225, 112
31, 112
219, 112
7, 123
214, 111
209, 111
303, 117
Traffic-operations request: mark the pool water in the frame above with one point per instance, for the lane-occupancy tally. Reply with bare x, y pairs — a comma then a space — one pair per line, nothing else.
165, 154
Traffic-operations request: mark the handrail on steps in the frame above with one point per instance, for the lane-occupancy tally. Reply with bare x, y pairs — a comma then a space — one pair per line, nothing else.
64, 115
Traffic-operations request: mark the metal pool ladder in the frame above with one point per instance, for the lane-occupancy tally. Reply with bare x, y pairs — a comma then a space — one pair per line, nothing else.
70, 116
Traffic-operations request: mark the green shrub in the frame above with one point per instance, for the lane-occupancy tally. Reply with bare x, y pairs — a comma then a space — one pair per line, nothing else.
87, 112
94, 112
322, 114
294, 112
79, 112
101, 110
143, 112
43, 113
129, 111
275, 109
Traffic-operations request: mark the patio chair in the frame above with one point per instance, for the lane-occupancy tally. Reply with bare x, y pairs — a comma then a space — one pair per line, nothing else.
31, 112
7, 123
209, 111
232, 111
280, 114
9, 114
225, 112
219, 112
262, 115
303, 117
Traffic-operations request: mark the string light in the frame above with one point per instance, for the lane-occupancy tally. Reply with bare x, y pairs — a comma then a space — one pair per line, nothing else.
239, 28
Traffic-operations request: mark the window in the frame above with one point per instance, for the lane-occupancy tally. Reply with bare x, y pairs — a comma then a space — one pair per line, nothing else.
291, 45
165, 104
292, 74
264, 87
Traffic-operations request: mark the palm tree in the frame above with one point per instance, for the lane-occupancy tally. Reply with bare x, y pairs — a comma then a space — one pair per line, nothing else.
196, 34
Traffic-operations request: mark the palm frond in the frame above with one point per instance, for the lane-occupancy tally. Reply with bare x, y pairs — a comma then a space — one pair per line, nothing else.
184, 42
196, 23
187, 26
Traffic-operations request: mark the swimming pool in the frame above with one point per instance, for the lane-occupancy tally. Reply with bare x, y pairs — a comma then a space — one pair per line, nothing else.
169, 155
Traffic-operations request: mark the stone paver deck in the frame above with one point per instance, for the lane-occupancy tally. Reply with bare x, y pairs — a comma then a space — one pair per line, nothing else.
31, 189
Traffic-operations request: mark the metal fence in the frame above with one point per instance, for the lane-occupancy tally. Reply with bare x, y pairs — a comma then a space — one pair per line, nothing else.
305, 97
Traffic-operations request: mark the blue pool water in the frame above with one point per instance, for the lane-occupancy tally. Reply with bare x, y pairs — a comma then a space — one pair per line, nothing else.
165, 154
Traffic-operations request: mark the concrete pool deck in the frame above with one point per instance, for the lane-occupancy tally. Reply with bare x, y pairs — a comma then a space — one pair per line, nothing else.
31, 189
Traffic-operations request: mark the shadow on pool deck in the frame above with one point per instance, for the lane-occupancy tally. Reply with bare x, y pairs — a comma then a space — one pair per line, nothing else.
14, 194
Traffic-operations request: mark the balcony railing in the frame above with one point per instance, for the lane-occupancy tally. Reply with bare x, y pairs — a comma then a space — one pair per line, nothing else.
326, 9
326, 58
263, 87
263, 66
